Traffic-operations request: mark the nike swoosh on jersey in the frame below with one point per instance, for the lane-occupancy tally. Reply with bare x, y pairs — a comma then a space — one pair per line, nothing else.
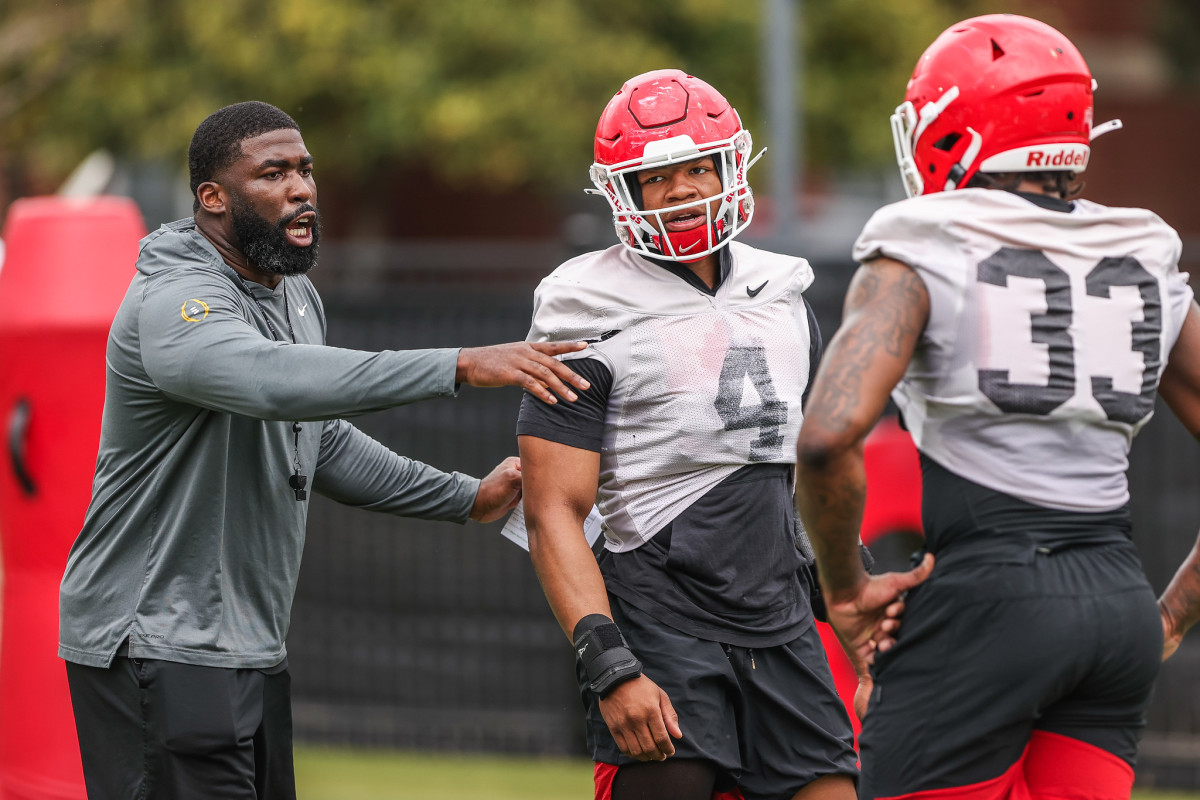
302, 309
754, 292
604, 337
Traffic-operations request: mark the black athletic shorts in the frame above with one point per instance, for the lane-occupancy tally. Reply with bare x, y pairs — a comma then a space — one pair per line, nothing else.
769, 719
1040, 621
153, 729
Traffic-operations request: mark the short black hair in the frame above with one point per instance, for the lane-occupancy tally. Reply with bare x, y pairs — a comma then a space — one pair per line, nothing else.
1060, 183
217, 142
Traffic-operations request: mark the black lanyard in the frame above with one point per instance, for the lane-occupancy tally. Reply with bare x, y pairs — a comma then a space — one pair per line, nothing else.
297, 480
270, 326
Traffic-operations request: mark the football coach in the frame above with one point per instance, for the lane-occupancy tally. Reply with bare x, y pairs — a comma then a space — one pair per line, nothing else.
222, 412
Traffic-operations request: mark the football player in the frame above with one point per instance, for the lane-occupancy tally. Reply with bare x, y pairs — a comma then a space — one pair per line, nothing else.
1024, 334
700, 669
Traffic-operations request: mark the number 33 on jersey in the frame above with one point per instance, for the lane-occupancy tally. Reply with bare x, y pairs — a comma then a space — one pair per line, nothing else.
1047, 335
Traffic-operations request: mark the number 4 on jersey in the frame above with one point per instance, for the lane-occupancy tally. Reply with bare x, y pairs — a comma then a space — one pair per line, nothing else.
750, 362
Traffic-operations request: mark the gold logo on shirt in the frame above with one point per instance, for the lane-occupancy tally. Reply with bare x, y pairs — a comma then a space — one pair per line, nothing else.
194, 310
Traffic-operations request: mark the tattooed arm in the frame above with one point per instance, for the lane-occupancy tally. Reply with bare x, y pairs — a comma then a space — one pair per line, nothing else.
887, 307
1180, 388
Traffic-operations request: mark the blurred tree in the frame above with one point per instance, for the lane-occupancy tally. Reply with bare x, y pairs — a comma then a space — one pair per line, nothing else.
860, 54
500, 91
1179, 30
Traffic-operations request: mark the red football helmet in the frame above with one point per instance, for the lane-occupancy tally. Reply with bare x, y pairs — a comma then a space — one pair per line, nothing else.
997, 93
669, 117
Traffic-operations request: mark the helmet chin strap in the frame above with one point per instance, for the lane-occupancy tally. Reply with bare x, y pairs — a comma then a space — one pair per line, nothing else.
959, 170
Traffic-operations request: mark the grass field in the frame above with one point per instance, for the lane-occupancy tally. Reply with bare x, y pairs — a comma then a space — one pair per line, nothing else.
331, 774
335, 774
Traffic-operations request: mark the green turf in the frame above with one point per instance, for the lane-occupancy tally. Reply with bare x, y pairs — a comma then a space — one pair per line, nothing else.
333, 774
341, 774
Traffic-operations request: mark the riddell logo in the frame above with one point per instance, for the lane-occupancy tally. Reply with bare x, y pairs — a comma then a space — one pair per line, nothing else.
1063, 158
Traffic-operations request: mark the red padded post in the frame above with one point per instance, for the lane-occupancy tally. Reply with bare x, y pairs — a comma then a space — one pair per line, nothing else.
68, 263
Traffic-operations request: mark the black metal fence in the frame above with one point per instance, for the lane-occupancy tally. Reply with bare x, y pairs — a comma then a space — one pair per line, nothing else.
423, 634
435, 636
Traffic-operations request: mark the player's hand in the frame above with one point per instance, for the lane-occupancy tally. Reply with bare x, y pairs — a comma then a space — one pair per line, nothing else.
1171, 638
499, 492
641, 719
869, 619
530, 365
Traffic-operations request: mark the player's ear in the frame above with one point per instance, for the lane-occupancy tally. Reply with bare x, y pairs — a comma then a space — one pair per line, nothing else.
211, 197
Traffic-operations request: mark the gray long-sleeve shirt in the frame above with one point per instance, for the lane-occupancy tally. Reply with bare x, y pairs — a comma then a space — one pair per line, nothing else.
191, 545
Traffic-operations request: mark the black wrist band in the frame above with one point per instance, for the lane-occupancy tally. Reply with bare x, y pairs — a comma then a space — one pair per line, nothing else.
604, 654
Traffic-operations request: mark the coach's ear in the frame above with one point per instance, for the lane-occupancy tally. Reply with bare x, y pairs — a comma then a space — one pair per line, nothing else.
211, 197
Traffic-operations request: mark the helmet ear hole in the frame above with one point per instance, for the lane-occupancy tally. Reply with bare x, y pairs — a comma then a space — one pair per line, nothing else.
947, 142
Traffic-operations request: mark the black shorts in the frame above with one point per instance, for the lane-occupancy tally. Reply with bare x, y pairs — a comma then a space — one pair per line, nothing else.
157, 729
1005, 644
769, 719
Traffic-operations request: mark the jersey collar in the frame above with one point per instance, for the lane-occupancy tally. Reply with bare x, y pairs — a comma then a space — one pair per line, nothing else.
1047, 202
725, 263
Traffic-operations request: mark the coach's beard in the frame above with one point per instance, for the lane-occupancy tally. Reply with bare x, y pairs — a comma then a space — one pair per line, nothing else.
265, 243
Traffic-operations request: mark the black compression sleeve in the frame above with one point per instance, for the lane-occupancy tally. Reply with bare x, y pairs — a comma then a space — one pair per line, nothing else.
816, 348
578, 424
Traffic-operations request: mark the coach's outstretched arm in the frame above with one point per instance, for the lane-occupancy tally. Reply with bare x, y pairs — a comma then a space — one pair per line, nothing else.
356, 470
226, 364
559, 489
886, 309
1180, 388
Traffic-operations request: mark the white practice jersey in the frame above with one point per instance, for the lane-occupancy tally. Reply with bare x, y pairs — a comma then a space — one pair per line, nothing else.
702, 384
1048, 332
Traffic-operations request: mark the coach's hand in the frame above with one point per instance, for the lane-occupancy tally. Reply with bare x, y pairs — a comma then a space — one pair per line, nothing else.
641, 719
862, 695
499, 492
530, 365
869, 618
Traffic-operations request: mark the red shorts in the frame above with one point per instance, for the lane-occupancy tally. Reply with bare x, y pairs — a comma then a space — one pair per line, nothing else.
1052, 767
